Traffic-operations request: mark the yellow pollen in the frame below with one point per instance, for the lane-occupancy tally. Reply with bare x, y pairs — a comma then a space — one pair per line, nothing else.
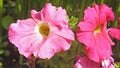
44, 29
97, 29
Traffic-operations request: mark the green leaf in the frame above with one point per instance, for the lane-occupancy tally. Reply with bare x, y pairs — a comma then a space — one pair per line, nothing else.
1, 51
117, 65
73, 22
68, 7
4, 44
1, 65
65, 65
62, 54
6, 21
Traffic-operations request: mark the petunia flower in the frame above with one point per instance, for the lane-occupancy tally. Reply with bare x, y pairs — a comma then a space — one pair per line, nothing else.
119, 19
108, 63
85, 62
44, 34
93, 32
114, 33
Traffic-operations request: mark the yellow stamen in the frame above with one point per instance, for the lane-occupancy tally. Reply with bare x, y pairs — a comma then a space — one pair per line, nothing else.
97, 29
44, 29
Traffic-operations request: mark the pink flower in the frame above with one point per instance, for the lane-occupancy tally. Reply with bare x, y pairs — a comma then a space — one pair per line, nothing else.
42, 35
108, 63
115, 33
119, 19
93, 32
85, 62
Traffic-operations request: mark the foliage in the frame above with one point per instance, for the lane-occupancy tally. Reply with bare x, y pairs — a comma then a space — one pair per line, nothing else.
12, 10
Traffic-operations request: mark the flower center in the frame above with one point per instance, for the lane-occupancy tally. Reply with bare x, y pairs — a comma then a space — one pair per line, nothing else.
44, 29
97, 29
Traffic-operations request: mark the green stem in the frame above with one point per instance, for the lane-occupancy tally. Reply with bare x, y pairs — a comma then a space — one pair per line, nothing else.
83, 5
18, 8
117, 49
1, 8
32, 62
20, 61
29, 6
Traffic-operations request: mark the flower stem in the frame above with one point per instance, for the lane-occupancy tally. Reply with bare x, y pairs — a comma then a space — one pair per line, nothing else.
21, 61
32, 62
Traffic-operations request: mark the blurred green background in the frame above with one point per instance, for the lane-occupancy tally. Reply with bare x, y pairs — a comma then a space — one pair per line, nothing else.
12, 10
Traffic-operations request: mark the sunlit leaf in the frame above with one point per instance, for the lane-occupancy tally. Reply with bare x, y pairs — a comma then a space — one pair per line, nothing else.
1, 65
73, 22
117, 65
1, 51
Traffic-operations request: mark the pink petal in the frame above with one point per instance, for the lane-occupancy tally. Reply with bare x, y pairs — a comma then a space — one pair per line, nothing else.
63, 32
48, 11
106, 13
115, 33
100, 50
59, 18
52, 15
45, 14
100, 14
85, 26
52, 45
91, 16
104, 32
23, 35
92, 54
85, 37
15, 29
85, 62
119, 19
37, 16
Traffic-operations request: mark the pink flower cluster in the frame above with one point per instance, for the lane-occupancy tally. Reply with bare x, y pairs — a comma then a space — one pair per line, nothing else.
47, 32
85, 62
